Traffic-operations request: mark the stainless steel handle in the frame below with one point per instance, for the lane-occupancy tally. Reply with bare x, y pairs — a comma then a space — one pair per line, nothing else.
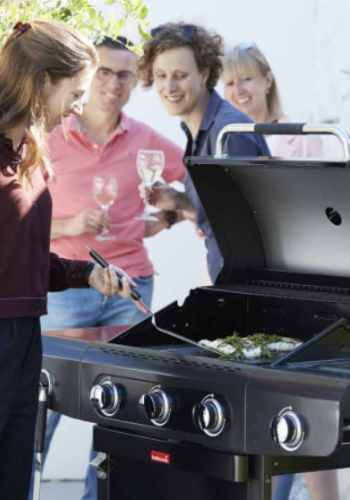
284, 129
100, 464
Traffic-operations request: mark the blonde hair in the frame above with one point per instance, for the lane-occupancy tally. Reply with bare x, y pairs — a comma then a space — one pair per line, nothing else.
47, 49
245, 59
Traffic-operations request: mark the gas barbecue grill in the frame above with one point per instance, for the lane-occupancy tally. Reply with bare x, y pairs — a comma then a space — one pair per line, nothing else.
173, 421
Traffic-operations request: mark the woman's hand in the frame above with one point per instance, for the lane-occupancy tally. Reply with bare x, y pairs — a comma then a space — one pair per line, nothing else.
105, 280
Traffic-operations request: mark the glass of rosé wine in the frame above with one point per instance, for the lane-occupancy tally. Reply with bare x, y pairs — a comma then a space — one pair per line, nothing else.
150, 166
104, 190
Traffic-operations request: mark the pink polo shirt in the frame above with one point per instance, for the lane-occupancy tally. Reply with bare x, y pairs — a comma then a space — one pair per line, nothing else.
77, 159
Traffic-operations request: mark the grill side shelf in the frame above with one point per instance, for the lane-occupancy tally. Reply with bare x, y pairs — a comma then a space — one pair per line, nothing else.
333, 343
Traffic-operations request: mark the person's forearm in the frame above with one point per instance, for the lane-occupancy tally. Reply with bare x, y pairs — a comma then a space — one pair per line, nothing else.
166, 219
154, 227
182, 202
60, 228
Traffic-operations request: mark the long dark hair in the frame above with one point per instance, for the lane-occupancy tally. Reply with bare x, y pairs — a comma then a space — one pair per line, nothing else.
48, 49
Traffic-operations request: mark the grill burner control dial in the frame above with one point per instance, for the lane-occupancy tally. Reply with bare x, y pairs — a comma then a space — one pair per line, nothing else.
156, 406
105, 397
209, 416
287, 430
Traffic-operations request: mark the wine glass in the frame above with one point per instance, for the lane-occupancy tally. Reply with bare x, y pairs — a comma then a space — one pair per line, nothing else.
150, 166
104, 190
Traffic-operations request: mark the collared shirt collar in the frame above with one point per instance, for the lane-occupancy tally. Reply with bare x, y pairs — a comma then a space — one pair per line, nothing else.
210, 112
209, 115
72, 124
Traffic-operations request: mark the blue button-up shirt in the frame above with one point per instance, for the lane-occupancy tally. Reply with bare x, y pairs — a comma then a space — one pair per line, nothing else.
218, 114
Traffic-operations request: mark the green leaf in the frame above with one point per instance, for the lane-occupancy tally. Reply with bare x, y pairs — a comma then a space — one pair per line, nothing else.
137, 48
136, 4
143, 33
143, 12
81, 14
118, 28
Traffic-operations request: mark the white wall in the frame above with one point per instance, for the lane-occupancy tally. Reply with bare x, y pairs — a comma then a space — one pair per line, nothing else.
306, 43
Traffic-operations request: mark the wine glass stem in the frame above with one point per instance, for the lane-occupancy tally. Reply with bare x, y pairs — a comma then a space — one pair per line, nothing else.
147, 206
105, 231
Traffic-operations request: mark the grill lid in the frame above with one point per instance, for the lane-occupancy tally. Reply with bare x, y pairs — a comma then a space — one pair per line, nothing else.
276, 213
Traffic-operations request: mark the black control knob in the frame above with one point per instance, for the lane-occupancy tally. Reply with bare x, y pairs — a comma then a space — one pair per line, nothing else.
156, 406
209, 416
105, 397
287, 430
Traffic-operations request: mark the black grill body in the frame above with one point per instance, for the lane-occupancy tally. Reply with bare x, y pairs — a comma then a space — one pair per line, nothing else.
253, 392
283, 229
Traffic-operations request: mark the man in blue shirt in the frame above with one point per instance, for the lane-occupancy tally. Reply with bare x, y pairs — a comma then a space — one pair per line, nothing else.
184, 63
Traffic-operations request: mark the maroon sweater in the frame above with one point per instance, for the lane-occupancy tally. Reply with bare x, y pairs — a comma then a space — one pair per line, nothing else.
27, 268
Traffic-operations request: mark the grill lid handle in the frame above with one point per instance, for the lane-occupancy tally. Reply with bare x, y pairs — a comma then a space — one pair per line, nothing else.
284, 129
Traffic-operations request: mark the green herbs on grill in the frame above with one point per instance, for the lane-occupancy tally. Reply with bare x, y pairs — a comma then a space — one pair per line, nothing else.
258, 345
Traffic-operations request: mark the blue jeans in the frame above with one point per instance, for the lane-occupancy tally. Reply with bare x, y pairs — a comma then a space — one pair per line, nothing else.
284, 486
84, 308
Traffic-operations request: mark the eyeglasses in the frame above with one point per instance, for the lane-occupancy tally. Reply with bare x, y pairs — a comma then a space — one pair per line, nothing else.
188, 30
124, 76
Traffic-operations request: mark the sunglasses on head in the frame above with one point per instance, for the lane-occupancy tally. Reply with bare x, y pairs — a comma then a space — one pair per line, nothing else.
241, 46
188, 30
246, 45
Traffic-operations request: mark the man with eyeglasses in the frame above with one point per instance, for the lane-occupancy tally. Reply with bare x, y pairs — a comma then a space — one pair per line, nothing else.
103, 141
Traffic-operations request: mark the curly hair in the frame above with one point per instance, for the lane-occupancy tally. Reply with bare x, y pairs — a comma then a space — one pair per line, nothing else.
207, 49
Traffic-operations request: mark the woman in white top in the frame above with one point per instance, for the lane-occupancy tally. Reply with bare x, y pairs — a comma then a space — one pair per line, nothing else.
251, 87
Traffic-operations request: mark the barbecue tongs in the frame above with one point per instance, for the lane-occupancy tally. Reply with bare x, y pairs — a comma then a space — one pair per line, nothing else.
136, 296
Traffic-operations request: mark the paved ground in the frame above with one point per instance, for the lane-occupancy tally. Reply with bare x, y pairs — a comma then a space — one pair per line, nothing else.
299, 491
61, 490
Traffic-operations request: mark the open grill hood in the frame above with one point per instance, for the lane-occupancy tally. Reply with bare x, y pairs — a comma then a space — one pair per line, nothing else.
291, 216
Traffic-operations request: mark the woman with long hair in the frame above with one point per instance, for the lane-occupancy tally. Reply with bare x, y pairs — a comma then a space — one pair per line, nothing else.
45, 69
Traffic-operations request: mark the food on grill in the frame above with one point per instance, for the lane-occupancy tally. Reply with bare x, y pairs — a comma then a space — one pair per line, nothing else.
256, 346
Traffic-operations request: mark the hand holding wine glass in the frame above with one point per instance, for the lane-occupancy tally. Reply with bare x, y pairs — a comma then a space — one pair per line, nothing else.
150, 166
105, 192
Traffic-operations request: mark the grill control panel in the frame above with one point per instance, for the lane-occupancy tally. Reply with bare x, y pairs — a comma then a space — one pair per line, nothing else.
175, 408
